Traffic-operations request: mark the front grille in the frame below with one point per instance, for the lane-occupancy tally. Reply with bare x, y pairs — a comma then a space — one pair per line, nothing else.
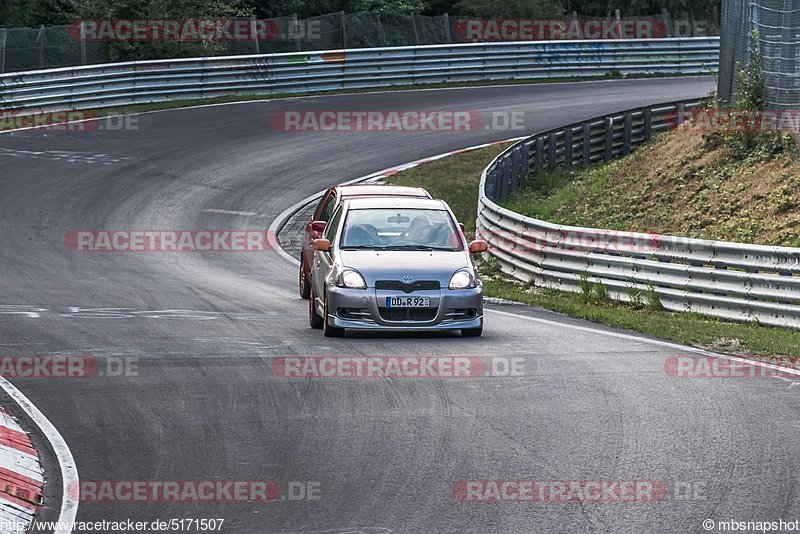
408, 314
397, 285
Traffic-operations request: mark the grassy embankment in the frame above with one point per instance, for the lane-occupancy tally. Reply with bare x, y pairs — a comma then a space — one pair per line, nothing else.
684, 183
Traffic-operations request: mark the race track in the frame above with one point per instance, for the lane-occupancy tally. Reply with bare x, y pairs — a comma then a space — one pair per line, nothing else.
385, 453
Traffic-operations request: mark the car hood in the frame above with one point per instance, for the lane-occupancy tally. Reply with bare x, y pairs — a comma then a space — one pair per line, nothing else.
394, 265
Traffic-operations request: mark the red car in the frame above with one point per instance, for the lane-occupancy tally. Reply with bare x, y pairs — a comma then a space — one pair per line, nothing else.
327, 203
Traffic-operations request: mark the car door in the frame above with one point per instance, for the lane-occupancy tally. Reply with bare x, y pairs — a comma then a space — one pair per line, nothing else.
323, 260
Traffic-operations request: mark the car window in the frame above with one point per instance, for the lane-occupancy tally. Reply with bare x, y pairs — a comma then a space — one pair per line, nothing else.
330, 229
327, 208
400, 229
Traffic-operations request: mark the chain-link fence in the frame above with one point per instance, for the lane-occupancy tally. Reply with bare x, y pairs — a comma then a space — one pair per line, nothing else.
24, 49
777, 23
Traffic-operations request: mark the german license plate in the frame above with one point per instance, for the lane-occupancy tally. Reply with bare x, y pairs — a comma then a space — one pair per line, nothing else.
408, 302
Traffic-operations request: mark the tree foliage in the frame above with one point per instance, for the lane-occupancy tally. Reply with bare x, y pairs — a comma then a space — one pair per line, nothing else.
31, 13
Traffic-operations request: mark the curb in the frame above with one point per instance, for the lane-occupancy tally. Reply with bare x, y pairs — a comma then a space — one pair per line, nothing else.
21, 476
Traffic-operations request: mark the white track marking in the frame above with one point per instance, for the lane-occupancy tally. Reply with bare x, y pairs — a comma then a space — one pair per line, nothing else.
229, 212
657, 342
69, 472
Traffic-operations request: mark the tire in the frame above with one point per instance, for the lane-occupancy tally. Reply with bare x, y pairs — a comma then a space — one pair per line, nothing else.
472, 332
303, 286
313, 317
328, 330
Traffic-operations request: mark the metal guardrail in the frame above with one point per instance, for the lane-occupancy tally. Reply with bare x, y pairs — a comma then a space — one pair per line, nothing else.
96, 86
728, 280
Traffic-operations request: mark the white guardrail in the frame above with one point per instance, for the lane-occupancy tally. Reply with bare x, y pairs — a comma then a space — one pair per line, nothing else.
727, 280
122, 84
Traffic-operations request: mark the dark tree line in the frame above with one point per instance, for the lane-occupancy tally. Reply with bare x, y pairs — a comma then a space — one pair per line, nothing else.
31, 13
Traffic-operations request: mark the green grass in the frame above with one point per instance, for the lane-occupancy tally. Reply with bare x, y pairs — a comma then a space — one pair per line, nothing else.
683, 183
685, 328
549, 193
455, 179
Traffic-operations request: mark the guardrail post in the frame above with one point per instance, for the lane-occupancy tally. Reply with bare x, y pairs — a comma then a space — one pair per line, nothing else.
491, 183
609, 147
40, 45
648, 124
587, 143
254, 33
514, 171
525, 163
381, 31
83, 42
414, 29
296, 29
680, 109
626, 136
568, 147
502, 191
343, 18
552, 140
538, 162
446, 21
3, 34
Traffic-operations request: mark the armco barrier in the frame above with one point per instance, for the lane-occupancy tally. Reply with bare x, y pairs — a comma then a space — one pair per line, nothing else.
121, 84
728, 280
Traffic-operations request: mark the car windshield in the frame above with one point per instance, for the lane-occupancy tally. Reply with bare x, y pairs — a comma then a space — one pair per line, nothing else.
400, 229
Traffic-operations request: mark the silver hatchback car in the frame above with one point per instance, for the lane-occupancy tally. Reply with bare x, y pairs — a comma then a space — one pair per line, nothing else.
395, 264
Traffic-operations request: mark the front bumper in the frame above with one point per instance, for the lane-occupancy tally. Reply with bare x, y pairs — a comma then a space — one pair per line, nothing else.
450, 309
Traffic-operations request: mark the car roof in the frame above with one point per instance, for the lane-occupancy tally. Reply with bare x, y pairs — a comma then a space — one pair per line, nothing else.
396, 202
381, 190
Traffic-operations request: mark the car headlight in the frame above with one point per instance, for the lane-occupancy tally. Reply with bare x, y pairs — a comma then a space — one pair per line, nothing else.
351, 278
462, 280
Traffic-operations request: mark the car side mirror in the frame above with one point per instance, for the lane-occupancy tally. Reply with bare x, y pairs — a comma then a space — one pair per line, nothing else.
479, 245
461, 225
318, 226
321, 244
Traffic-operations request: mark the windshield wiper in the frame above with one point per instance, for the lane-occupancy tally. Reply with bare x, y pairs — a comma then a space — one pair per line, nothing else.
416, 247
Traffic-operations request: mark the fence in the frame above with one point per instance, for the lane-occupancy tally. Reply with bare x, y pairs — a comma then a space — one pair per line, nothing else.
728, 280
778, 26
156, 81
23, 49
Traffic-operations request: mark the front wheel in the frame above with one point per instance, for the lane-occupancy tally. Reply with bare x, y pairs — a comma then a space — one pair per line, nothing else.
327, 329
304, 287
472, 332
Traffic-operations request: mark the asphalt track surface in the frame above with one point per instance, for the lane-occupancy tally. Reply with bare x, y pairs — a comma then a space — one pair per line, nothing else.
385, 453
